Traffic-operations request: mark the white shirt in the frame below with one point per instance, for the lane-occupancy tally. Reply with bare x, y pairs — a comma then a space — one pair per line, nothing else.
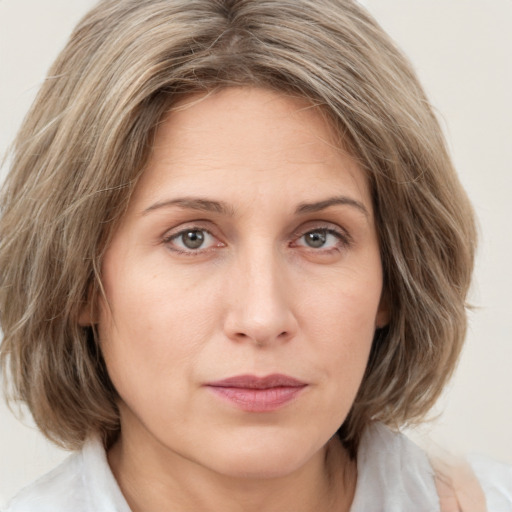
394, 475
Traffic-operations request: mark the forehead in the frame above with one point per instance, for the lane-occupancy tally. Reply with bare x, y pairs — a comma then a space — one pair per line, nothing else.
249, 114
237, 138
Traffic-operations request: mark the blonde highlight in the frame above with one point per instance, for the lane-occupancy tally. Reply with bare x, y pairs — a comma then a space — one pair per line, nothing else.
85, 142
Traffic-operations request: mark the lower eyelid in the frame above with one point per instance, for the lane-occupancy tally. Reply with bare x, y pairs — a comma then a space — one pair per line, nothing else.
167, 239
341, 236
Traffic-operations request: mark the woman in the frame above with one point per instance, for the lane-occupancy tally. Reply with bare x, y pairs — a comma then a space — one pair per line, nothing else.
234, 256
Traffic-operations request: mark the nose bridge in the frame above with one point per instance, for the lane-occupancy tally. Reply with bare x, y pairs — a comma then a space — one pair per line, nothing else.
261, 308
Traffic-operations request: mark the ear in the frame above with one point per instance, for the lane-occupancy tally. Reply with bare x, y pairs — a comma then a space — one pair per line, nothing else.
383, 313
85, 317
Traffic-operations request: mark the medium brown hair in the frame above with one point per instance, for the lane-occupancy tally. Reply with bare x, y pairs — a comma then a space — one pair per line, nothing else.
87, 138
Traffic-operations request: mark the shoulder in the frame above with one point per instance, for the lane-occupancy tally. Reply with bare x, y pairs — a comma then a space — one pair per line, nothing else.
495, 479
394, 474
474, 482
56, 491
82, 483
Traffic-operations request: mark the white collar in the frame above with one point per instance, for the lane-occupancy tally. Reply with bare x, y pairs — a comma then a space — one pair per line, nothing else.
394, 475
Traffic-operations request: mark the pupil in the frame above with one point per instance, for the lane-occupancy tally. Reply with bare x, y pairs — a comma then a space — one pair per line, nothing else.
193, 239
316, 239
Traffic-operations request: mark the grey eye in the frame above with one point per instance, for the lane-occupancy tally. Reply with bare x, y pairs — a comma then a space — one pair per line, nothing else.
316, 239
192, 239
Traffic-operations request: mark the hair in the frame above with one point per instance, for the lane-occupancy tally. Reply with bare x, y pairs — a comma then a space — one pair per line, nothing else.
87, 137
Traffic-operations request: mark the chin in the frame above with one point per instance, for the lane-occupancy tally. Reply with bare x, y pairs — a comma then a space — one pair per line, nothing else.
265, 457
262, 466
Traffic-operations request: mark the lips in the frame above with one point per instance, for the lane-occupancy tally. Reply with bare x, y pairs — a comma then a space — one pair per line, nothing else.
258, 394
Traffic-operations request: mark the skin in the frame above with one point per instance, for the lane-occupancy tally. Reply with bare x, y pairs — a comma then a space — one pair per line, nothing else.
288, 280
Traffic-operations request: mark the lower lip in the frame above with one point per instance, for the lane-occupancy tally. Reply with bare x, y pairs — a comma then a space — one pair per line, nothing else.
258, 400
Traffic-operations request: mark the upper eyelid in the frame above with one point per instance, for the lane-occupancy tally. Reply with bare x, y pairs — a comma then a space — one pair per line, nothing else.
199, 225
212, 229
343, 239
322, 225
174, 234
170, 238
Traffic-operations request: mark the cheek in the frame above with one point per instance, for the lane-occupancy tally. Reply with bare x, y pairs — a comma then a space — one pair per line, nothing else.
340, 319
346, 305
157, 320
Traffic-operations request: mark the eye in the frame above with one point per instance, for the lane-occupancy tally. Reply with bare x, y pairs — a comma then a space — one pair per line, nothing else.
191, 240
316, 239
322, 238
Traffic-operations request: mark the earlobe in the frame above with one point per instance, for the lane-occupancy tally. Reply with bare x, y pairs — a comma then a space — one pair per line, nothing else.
85, 318
382, 317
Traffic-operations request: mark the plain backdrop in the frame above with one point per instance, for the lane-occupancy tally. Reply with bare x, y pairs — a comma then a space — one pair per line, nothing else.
462, 50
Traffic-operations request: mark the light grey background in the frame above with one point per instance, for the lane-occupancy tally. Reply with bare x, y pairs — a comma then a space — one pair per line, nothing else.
462, 50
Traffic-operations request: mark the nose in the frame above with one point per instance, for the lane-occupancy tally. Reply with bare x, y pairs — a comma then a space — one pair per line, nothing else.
260, 299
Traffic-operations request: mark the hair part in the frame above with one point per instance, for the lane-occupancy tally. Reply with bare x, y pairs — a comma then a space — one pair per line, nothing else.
88, 135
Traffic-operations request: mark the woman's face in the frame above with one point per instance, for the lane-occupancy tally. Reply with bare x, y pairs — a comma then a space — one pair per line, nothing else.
244, 287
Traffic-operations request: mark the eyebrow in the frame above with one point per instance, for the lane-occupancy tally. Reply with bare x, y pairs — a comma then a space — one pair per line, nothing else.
332, 201
208, 205
193, 203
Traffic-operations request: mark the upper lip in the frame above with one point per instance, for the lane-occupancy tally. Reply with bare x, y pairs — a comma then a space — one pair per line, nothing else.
275, 380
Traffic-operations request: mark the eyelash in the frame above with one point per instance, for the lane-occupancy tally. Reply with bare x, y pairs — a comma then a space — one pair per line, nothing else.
344, 240
168, 239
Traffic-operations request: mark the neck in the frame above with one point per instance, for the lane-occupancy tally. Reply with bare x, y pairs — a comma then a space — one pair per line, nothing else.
155, 479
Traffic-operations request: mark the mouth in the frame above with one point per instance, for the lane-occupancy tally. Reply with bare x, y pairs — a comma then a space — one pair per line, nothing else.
258, 394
